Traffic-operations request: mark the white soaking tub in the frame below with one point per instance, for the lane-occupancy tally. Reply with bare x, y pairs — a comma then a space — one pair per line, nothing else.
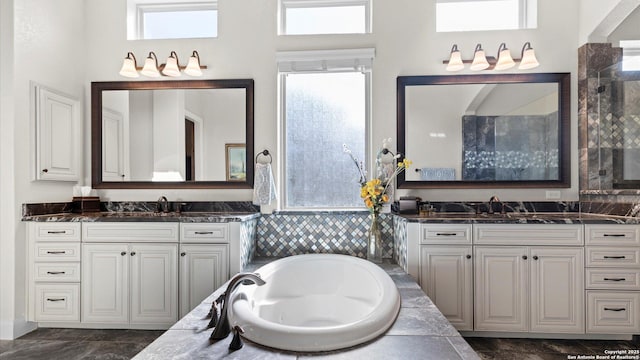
316, 302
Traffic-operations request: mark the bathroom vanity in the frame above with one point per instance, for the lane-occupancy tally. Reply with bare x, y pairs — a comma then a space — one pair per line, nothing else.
136, 270
545, 274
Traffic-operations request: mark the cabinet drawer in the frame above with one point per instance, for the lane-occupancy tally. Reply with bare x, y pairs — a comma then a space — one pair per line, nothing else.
612, 235
204, 233
130, 232
619, 279
529, 234
57, 302
613, 312
57, 272
613, 257
445, 234
52, 231
57, 252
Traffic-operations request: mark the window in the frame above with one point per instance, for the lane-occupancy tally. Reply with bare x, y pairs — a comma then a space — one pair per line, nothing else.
175, 19
479, 15
630, 55
304, 17
324, 106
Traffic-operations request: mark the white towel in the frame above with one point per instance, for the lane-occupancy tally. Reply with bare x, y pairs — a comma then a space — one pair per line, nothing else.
264, 186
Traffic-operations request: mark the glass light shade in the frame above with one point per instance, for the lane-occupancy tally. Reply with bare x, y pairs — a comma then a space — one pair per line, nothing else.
505, 61
150, 68
171, 68
129, 68
455, 61
479, 61
529, 60
193, 67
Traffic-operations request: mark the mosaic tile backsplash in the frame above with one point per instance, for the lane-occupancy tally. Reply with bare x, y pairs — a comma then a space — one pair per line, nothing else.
285, 234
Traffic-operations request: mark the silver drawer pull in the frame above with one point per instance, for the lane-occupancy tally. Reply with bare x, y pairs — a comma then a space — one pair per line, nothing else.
615, 279
55, 272
204, 232
55, 299
614, 235
56, 252
56, 232
615, 309
446, 234
615, 257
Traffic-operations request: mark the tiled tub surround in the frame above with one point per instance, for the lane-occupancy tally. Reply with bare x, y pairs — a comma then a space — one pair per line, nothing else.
288, 233
420, 331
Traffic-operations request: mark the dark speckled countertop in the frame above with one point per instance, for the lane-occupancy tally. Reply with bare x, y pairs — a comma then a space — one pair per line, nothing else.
139, 216
522, 218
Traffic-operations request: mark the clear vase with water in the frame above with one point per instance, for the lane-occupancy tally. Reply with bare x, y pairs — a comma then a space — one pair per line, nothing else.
374, 239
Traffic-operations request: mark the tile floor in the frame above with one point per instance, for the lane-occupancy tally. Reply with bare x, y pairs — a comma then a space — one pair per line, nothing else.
70, 344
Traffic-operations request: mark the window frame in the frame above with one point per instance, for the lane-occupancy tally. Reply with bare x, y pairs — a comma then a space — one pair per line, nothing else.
138, 8
282, 126
526, 19
283, 5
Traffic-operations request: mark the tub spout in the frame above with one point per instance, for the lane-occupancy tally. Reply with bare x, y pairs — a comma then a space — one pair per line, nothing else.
222, 328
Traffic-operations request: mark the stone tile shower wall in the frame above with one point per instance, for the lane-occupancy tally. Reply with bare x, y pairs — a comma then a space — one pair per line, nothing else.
247, 235
285, 234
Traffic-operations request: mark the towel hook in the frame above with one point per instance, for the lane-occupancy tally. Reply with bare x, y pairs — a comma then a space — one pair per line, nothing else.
264, 152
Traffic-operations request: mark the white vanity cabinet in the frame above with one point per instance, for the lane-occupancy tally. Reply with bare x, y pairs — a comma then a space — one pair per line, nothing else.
613, 278
536, 284
204, 262
130, 274
53, 272
446, 271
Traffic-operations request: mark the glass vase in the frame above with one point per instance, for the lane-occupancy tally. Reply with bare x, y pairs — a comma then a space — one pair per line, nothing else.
374, 240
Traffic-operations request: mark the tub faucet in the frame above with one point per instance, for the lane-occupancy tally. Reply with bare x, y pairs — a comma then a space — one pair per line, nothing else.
222, 328
162, 205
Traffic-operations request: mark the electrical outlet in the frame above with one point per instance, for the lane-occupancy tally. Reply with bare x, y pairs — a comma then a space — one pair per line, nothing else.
553, 195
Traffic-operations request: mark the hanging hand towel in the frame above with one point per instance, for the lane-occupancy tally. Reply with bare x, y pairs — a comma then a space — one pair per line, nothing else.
264, 186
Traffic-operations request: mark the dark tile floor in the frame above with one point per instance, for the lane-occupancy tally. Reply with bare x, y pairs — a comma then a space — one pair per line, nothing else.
70, 344
545, 349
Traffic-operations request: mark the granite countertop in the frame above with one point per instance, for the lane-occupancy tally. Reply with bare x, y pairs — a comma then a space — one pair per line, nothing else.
146, 216
522, 218
420, 331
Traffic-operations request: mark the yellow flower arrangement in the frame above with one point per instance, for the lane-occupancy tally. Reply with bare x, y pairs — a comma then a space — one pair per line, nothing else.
374, 192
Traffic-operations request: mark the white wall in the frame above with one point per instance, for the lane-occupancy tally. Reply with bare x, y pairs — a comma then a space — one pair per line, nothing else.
629, 29
48, 47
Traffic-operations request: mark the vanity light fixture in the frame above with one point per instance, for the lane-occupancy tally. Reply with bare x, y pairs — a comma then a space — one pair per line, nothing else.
504, 60
455, 59
479, 59
129, 66
193, 66
152, 69
172, 68
528, 57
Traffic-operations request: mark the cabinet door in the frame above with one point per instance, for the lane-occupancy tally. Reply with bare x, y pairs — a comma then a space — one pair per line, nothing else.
557, 289
501, 288
105, 283
58, 136
446, 277
154, 283
203, 268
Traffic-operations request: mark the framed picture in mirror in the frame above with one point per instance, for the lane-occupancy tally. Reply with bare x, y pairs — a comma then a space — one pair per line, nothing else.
236, 162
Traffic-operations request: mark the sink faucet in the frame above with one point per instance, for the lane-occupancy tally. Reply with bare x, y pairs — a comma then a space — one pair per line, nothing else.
222, 328
162, 205
495, 199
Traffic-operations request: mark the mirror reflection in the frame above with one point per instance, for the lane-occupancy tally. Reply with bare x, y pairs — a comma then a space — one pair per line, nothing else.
172, 134
489, 130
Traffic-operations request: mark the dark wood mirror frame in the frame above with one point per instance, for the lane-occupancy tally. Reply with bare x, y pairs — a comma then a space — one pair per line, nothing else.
564, 129
96, 132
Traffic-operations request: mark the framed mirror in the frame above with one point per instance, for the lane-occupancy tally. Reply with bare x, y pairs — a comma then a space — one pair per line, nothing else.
172, 134
485, 131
